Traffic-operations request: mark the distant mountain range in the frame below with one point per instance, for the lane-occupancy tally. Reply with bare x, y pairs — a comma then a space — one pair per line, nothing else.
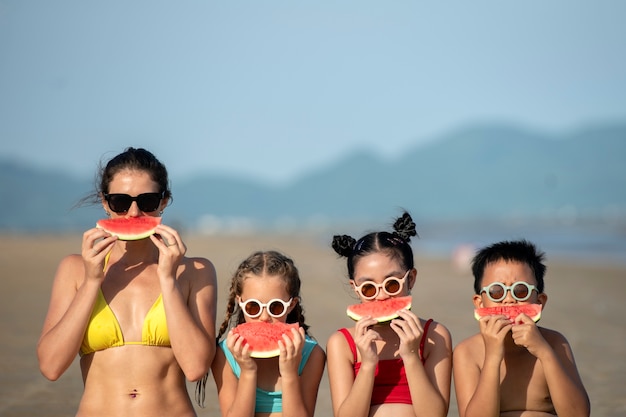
478, 173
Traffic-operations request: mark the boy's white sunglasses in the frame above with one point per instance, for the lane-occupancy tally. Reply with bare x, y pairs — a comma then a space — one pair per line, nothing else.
276, 307
392, 286
520, 291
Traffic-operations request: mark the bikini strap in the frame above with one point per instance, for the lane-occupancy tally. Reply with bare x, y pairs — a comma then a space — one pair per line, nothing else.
423, 340
106, 260
350, 341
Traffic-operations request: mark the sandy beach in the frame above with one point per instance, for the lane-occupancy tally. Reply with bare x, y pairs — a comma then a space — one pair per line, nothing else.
586, 304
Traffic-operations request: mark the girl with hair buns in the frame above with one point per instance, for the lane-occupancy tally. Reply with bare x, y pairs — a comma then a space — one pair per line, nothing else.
266, 287
401, 368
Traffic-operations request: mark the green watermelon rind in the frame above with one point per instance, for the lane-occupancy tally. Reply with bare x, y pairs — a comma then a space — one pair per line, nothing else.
531, 310
360, 310
251, 330
116, 226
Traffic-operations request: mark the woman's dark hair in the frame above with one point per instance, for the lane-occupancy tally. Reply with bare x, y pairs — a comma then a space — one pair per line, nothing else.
395, 244
134, 159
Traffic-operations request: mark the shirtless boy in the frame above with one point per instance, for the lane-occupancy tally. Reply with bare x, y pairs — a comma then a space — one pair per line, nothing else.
515, 368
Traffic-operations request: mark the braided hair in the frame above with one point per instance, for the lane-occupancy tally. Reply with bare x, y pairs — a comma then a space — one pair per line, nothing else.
395, 244
271, 263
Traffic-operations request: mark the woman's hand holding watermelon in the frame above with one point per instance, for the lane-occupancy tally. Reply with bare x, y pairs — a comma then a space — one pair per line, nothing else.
96, 245
409, 330
291, 352
171, 250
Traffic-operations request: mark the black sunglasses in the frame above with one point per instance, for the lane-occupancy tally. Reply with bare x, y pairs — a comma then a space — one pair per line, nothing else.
146, 202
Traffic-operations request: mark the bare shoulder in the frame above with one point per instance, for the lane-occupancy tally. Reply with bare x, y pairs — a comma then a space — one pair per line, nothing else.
314, 368
339, 336
318, 356
340, 357
73, 260
199, 263
70, 269
469, 347
199, 269
550, 334
470, 342
439, 329
438, 338
337, 343
554, 338
318, 349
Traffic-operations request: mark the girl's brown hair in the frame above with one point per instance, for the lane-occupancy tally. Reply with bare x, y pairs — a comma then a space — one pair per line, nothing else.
260, 263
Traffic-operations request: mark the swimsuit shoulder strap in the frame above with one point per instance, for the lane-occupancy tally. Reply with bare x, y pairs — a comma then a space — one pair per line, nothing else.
309, 344
106, 260
350, 340
424, 338
230, 358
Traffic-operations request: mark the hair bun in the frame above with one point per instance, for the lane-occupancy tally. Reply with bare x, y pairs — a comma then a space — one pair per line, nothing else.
404, 227
343, 244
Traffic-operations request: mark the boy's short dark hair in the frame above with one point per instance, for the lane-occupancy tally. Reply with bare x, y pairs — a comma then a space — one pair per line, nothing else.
517, 251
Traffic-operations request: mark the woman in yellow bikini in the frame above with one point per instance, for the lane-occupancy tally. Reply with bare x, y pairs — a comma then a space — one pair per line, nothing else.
140, 314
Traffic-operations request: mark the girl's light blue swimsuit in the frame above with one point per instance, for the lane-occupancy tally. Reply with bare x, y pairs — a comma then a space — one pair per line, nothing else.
269, 401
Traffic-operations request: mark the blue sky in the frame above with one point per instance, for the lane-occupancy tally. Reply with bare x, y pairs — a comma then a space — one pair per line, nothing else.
272, 89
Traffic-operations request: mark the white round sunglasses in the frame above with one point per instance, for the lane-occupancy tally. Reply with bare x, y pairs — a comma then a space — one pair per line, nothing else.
276, 307
391, 286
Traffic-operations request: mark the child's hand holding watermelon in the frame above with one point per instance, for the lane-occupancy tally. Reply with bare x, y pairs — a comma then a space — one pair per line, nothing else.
409, 329
365, 337
526, 333
290, 348
240, 350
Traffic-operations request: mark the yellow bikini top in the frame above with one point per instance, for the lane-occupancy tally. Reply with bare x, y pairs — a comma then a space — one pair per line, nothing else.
104, 331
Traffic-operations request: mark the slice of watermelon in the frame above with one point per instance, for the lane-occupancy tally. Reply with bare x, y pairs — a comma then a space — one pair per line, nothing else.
132, 228
263, 337
511, 311
380, 310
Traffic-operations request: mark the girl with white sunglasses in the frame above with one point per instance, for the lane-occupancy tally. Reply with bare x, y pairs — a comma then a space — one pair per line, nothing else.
266, 287
400, 368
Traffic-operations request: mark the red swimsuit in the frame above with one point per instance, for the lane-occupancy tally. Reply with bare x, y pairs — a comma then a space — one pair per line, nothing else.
390, 383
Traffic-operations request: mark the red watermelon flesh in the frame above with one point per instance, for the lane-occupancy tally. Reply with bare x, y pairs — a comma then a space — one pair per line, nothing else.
131, 228
511, 311
380, 310
263, 337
